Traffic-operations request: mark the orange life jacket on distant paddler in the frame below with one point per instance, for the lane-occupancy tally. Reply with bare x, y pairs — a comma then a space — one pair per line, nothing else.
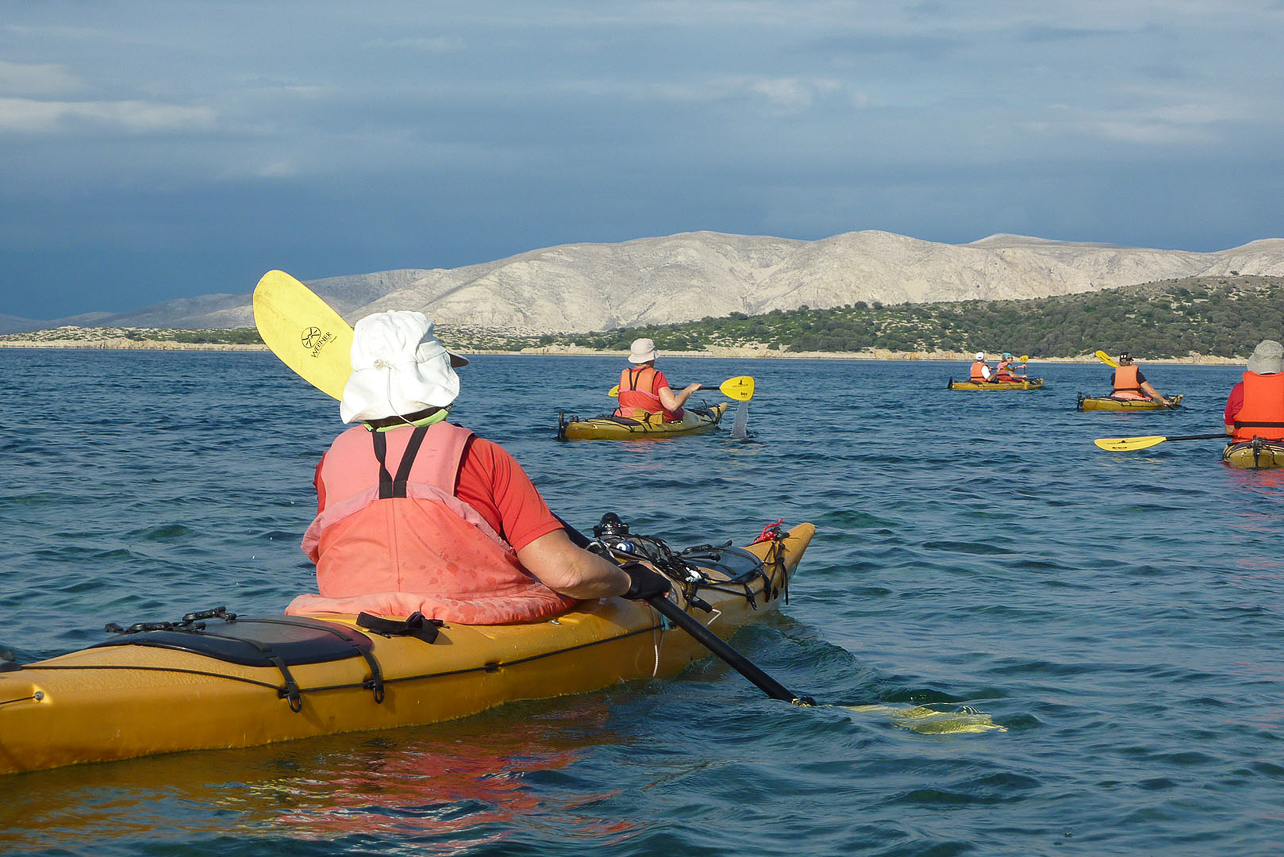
394, 545
638, 391
1126, 384
1263, 412
978, 376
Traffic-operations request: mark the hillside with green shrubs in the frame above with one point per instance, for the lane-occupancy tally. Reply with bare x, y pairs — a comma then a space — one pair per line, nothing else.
1215, 316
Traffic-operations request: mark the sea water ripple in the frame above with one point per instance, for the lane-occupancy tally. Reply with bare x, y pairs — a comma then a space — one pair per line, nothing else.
1118, 615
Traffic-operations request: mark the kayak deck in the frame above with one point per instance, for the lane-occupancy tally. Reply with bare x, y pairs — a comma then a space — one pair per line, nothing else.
695, 420
121, 701
1108, 403
1254, 455
1031, 384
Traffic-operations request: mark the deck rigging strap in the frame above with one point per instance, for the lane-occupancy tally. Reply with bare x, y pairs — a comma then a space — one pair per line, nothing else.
327, 642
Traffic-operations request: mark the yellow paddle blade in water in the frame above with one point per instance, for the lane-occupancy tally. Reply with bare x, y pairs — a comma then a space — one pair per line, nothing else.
304, 331
929, 721
1128, 444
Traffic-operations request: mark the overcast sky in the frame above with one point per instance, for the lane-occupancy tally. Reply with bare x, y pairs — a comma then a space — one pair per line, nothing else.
162, 149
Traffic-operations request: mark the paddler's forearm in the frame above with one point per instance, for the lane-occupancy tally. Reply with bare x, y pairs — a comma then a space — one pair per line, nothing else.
572, 571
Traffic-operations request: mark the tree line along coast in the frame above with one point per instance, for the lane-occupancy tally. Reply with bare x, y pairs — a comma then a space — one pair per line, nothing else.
1219, 318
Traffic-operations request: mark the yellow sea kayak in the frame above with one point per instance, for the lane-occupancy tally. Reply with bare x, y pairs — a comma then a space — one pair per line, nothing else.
1106, 403
1254, 455
1032, 384
653, 427
210, 681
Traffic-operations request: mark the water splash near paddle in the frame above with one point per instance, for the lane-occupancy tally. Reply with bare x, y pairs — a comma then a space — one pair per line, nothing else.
741, 427
929, 721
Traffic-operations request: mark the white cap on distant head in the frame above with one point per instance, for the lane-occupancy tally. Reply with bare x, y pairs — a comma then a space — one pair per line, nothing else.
643, 351
980, 355
1267, 357
398, 367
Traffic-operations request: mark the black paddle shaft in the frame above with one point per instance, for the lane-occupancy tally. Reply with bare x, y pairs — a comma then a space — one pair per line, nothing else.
719, 647
711, 641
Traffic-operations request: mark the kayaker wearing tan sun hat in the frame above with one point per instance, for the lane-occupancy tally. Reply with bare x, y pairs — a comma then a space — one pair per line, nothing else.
643, 388
415, 514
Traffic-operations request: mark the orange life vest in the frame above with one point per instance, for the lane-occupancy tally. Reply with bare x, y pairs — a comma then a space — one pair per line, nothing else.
1126, 384
393, 545
637, 392
977, 376
1263, 412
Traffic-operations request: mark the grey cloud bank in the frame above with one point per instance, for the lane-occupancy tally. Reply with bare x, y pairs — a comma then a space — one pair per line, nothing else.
158, 151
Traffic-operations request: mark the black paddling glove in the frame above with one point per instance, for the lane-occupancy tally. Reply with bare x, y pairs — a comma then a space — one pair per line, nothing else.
643, 582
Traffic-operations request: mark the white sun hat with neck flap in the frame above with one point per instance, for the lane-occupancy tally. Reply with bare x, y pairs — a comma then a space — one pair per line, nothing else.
398, 368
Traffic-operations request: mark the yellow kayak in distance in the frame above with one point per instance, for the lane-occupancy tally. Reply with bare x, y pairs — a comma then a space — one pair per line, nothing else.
608, 427
1108, 403
1255, 455
1031, 384
218, 681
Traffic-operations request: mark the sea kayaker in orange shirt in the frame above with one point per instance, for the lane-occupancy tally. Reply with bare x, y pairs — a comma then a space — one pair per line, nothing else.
644, 389
415, 514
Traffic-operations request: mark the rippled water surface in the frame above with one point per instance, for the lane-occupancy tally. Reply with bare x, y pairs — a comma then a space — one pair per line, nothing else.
1118, 614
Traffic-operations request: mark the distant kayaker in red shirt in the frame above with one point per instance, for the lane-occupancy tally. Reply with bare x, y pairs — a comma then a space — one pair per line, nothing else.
415, 514
1130, 384
1255, 407
644, 389
1004, 370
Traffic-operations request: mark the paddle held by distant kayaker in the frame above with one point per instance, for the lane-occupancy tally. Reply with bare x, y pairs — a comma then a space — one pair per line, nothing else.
1004, 370
1255, 407
415, 514
1129, 383
644, 389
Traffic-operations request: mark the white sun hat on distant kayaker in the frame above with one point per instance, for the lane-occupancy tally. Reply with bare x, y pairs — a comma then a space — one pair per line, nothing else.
643, 351
1268, 358
398, 368
980, 355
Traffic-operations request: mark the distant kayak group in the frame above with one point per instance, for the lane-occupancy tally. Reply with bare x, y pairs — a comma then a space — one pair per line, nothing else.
1253, 418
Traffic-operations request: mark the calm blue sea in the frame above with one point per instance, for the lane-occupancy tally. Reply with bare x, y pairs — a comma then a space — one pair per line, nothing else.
1121, 615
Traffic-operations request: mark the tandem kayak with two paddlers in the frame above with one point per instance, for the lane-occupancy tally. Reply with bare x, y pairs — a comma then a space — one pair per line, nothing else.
1030, 384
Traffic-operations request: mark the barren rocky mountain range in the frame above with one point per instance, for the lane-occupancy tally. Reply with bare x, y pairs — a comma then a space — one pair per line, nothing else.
582, 287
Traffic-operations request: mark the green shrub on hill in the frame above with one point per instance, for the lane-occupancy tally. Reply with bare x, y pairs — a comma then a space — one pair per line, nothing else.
1219, 316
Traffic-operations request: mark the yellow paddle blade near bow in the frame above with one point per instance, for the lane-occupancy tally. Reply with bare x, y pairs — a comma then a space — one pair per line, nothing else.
1107, 359
1128, 444
304, 331
739, 388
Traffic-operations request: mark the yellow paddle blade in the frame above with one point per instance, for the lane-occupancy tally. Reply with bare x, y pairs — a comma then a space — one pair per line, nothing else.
739, 388
304, 331
1107, 359
929, 721
614, 392
1023, 358
1128, 444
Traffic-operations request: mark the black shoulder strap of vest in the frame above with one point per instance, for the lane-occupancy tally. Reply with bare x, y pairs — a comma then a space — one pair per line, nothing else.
388, 486
408, 461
